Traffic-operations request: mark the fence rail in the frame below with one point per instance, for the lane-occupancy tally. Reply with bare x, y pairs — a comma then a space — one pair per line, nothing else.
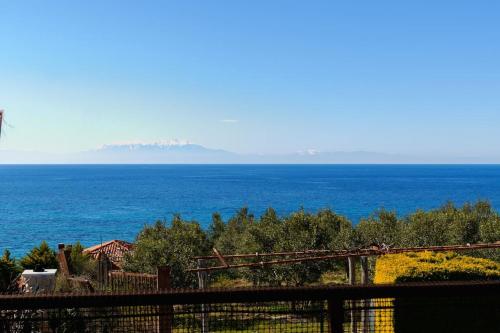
320, 255
429, 307
357, 252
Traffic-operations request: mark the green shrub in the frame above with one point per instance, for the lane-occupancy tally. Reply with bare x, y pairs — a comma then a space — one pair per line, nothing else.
430, 266
40, 257
452, 314
175, 246
8, 271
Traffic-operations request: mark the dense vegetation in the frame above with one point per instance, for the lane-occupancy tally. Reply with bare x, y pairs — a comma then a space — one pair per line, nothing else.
43, 256
160, 245
8, 270
177, 243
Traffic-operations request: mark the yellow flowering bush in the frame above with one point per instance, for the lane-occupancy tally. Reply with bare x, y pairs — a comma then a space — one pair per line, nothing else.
431, 266
427, 266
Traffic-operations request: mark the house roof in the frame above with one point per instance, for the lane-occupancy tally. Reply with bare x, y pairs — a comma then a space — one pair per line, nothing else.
114, 249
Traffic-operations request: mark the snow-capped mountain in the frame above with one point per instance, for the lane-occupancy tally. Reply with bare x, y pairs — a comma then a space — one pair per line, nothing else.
185, 152
172, 151
160, 146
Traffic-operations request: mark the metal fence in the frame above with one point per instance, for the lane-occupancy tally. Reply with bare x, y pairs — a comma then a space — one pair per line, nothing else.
125, 281
433, 307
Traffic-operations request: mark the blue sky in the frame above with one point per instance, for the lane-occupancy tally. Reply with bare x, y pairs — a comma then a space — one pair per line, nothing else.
420, 77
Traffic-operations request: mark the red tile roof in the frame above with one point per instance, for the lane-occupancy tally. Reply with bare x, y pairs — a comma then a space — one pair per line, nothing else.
114, 249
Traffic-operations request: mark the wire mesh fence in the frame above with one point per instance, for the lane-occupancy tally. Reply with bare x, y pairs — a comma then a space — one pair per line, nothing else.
457, 307
104, 319
304, 316
124, 281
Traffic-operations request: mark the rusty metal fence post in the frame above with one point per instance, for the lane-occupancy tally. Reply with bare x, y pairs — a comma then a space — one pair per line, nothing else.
366, 303
351, 264
165, 319
335, 315
202, 283
352, 281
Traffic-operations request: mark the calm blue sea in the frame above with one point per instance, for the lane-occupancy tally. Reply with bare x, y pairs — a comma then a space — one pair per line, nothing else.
90, 203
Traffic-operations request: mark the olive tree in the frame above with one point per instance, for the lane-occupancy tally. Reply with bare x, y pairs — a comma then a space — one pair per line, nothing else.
172, 245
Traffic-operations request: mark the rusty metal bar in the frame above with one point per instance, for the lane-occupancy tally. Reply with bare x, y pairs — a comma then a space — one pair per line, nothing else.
138, 275
361, 252
335, 315
244, 295
365, 279
273, 254
165, 320
220, 257
344, 254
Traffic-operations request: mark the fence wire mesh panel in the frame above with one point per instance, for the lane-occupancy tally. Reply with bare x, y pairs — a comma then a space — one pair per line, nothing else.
462, 307
305, 316
102, 319
122, 281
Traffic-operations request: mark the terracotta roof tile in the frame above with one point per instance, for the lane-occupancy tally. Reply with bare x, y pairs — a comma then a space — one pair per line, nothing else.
114, 250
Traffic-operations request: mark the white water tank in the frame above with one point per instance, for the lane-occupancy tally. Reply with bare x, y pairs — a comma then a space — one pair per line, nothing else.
38, 282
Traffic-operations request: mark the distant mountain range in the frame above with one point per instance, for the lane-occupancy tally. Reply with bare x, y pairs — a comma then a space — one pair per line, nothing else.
192, 153
182, 152
162, 146
158, 152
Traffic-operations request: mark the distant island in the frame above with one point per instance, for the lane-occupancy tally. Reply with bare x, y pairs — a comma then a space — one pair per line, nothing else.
185, 152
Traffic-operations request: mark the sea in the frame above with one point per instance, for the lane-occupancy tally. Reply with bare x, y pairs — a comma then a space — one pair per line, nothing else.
95, 203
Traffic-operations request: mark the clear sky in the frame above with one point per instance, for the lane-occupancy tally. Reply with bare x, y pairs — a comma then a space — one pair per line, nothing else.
413, 77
